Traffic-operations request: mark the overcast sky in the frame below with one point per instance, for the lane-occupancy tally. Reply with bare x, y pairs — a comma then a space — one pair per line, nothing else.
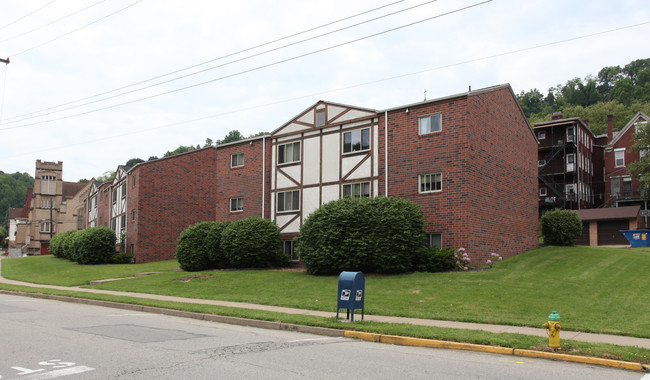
80, 87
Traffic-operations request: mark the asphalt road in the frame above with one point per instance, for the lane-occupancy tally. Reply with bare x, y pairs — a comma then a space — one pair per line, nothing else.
45, 339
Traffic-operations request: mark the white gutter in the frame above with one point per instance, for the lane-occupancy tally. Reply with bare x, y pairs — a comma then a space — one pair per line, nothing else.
386, 153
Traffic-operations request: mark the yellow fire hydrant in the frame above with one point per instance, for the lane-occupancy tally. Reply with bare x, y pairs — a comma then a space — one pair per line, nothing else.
553, 329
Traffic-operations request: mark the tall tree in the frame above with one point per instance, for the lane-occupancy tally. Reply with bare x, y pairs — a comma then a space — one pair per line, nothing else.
134, 161
640, 170
232, 136
179, 150
13, 189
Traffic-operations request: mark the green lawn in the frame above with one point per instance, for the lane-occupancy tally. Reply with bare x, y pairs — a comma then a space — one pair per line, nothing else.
604, 290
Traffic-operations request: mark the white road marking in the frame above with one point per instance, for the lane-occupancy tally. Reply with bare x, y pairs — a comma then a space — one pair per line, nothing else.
59, 372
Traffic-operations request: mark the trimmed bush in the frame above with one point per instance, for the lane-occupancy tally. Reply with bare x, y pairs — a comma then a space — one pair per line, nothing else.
122, 258
192, 250
55, 244
561, 227
380, 235
216, 255
435, 260
251, 243
67, 245
95, 245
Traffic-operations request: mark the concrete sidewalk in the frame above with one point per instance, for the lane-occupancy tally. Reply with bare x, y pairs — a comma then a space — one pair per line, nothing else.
573, 335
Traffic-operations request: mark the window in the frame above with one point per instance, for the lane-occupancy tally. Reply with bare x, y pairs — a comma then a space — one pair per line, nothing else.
570, 133
45, 227
541, 163
616, 186
433, 240
236, 204
320, 118
114, 196
133, 215
289, 153
541, 135
542, 191
619, 158
48, 184
236, 160
133, 181
113, 224
355, 141
643, 152
288, 249
627, 185
430, 182
430, 124
288, 201
47, 202
570, 191
123, 186
570, 162
357, 190
122, 222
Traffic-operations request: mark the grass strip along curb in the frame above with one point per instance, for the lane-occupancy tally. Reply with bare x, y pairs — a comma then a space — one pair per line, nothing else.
136, 304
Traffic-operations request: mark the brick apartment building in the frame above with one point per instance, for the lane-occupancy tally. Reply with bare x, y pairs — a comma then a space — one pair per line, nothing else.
447, 155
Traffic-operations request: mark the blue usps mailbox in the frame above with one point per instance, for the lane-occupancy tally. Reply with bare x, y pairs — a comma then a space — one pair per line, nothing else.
352, 286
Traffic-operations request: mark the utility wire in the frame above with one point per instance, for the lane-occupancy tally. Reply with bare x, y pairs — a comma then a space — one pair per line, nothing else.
52, 22
255, 68
54, 108
25, 16
75, 30
251, 108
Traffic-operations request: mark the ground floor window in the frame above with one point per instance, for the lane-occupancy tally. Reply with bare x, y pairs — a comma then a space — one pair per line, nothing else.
433, 240
236, 204
288, 249
356, 190
288, 201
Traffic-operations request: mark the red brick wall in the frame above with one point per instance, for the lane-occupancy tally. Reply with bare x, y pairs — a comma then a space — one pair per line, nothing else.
625, 141
487, 155
170, 195
502, 177
244, 181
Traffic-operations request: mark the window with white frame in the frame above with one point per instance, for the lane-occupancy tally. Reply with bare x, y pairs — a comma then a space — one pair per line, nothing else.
542, 192
236, 204
288, 249
288, 153
627, 185
123, 186
48, 184
541, 163
356, 141
619, 158
570, 162
356, 190
47, 202
46, 227
570, 190
288, 201
433, 240
430, 124
570, 133
541, 135
429, 183
237, 160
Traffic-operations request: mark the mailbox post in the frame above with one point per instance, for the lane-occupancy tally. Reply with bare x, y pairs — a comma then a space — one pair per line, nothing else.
351, 293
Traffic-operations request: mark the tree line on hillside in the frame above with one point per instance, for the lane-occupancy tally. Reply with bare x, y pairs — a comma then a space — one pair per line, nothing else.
620, 91
13, 189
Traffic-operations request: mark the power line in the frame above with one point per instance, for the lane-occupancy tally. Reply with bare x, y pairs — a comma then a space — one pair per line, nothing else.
52, 22
53, 109
255, 68
76, 30
29, 14
312, 95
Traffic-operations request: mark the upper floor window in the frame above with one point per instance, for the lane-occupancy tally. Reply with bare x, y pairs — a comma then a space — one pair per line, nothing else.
430, 124
236, 160
288, 153
619, 158
541, 163
357, 190
114, 199
236, 204
133, 181
48, 184
542, 191
47, 202
570, 133
355, 141
123, 186
430, 182
288, 201
541, 135
570, 162
46, 227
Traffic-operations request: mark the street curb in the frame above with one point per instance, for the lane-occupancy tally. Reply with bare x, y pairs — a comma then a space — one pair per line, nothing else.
371, 337
432, 343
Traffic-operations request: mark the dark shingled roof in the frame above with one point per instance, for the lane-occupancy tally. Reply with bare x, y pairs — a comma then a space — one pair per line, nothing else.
628, 212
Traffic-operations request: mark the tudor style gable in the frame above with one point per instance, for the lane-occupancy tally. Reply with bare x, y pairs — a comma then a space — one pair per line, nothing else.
326, 152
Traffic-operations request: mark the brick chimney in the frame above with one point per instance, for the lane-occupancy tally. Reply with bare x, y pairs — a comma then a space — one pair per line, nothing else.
556, 115
610, 127
586, 121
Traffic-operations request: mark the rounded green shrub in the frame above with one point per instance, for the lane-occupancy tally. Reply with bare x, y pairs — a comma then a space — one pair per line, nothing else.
95, 245
381, 235
434, 260
251, 243
561, 227
192, 250
55, 245
216, 255
60, 245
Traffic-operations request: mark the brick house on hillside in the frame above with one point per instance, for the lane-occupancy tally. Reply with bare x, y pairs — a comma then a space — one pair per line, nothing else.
620, 188
569, 164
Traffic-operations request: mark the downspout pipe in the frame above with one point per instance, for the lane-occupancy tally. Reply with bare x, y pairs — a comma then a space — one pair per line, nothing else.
386, 153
